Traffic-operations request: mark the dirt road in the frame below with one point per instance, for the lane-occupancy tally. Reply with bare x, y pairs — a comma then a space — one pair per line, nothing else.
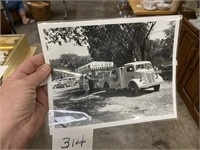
116, 105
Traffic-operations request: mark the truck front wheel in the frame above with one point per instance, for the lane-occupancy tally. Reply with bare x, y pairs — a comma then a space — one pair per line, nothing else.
134, 88
157, 87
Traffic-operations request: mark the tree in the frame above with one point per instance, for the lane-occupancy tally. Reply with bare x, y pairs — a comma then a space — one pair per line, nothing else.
56, 63
120, 43
73, 61
168, 42
140, 36
64, 35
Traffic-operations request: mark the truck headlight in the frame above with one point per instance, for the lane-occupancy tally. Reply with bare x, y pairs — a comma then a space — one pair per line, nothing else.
141, 79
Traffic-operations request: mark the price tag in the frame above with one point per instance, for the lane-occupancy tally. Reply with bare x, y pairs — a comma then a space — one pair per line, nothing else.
73, 139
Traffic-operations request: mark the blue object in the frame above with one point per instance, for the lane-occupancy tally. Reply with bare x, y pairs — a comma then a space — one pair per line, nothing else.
8, 15
122, 1
15, 4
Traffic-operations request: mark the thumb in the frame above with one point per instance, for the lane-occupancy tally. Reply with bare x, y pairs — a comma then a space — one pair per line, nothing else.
39, 76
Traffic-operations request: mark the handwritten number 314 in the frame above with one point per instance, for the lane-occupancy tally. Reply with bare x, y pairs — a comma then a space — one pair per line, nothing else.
73, 142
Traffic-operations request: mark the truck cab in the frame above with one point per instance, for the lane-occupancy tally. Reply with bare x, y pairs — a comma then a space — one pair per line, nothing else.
134, 76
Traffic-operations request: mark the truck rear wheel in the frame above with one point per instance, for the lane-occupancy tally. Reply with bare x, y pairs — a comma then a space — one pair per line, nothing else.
106, 86
134, 88
157, 87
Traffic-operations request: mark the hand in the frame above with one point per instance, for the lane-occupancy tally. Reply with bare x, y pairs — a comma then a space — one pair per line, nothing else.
23, 103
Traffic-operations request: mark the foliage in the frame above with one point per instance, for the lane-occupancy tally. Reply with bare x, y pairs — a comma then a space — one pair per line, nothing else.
120, 43
70, 61
167, 43
73, 61
63, 34
56, 63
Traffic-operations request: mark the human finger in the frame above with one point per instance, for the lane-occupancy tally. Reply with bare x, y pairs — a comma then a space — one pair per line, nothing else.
29, 66
39, 76
42, 98
44, 89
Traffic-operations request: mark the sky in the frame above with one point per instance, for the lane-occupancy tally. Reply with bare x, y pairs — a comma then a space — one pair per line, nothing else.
158, 30
67, 48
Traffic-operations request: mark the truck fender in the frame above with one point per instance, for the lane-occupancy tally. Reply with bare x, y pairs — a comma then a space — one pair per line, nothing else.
136, 81
159, 79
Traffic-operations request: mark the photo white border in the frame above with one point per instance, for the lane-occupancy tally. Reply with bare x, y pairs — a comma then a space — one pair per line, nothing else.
176, 18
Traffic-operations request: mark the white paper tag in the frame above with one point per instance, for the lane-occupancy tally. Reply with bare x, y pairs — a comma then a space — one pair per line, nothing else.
2, 70
73, 139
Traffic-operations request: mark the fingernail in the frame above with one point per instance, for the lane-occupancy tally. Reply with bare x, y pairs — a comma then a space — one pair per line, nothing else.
46, 68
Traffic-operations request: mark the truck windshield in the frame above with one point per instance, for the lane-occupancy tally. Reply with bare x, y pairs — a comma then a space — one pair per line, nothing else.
144, 66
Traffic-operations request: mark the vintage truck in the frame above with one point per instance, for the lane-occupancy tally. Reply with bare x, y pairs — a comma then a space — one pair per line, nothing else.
134, 76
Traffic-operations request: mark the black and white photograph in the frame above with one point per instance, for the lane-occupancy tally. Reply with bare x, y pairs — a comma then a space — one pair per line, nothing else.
111, 72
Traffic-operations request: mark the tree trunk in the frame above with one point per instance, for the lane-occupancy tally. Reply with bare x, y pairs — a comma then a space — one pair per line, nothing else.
143, 49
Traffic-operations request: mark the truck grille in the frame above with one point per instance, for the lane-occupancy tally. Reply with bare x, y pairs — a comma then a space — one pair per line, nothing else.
149, 77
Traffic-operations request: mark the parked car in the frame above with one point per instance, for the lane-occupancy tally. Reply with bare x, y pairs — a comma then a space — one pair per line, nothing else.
59, 83
166, 72
71, 81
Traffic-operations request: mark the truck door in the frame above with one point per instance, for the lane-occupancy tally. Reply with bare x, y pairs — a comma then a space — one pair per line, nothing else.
129, 74
122, 78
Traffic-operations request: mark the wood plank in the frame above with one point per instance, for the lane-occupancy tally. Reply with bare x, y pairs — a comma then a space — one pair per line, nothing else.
188, 69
